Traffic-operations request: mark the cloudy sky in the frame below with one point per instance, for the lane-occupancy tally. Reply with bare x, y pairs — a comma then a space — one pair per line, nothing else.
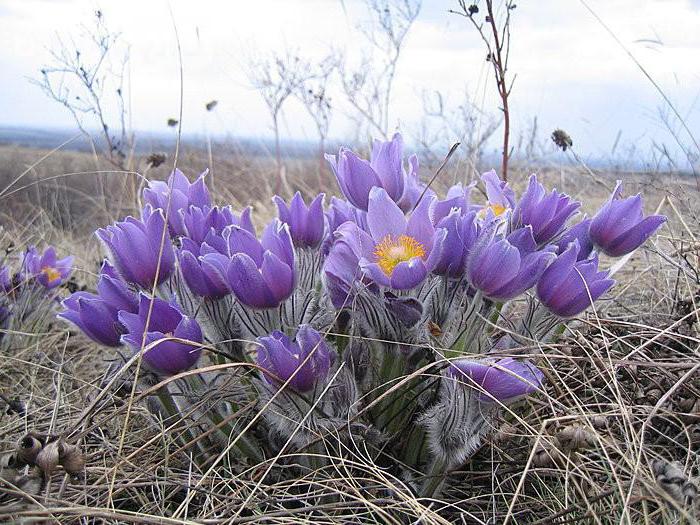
570, 72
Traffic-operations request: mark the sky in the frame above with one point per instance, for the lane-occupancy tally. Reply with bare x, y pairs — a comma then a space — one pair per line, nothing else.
569, 71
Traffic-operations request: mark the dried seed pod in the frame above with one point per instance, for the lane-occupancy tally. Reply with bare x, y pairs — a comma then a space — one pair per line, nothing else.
28, 449
694, 433
674, 481
506, 433
546, 456
690, 408
599, 422
575, 437
48, 458
72, 460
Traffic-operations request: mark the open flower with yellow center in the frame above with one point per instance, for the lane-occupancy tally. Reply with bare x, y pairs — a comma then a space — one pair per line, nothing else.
398, 251
501, 197
49, 271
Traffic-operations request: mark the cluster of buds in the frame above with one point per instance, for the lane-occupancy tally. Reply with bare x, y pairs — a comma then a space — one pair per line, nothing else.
391, 270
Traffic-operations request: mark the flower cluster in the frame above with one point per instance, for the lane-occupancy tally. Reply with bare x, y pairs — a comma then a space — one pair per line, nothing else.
29, 284
331, 301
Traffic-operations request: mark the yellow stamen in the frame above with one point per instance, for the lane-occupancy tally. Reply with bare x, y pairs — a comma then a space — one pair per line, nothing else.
496, 209
392, 251
51, 273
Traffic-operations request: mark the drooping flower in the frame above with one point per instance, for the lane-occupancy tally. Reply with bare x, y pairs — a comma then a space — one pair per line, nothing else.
183, 195
284, 358
204, 268
505, 268
580, 233
46, 269
262, 273
158, 320
403, 250
569, 286
461, 234
620, 227
306, 223
504, 381
139, 252
356, 177
201, 223
97, 314
547, 213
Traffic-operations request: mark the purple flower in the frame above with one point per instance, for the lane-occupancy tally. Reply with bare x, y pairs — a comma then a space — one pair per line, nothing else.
262, 273
46, 269
283, 358
339, 212
136, 251
568, 286
356, 177
201, 223
504, 268
398, 252
501, 197
182, 196
306, 223
457, 198
578, 232
413, 187
504, 381
97, 314
6, 279
620, 227
167, 357
204, 268
461, 234
341, 268
547, 213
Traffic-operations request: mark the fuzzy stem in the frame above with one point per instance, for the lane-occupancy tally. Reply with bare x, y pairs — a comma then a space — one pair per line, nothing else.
434, 479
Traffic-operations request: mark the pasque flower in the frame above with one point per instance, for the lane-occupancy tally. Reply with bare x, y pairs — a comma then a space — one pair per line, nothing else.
504, 380
620, 227
413, 188
341, 269
306, 223
461, 234
204, 267
165, 321
201, 223
356, 177
579, 232
547, 213
398, 252
139, 252
49, 271
307, 358
569, 286
177, 195
261, 272
501, 197
503, 268
97, 314
6, 279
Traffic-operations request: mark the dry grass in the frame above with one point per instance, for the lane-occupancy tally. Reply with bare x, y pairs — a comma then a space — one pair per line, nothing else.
622, 398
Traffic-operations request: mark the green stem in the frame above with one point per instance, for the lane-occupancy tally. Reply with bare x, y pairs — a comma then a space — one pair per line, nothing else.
173, 411
414, 446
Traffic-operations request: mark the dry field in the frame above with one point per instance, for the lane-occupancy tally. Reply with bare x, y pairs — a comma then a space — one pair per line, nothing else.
614, 440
